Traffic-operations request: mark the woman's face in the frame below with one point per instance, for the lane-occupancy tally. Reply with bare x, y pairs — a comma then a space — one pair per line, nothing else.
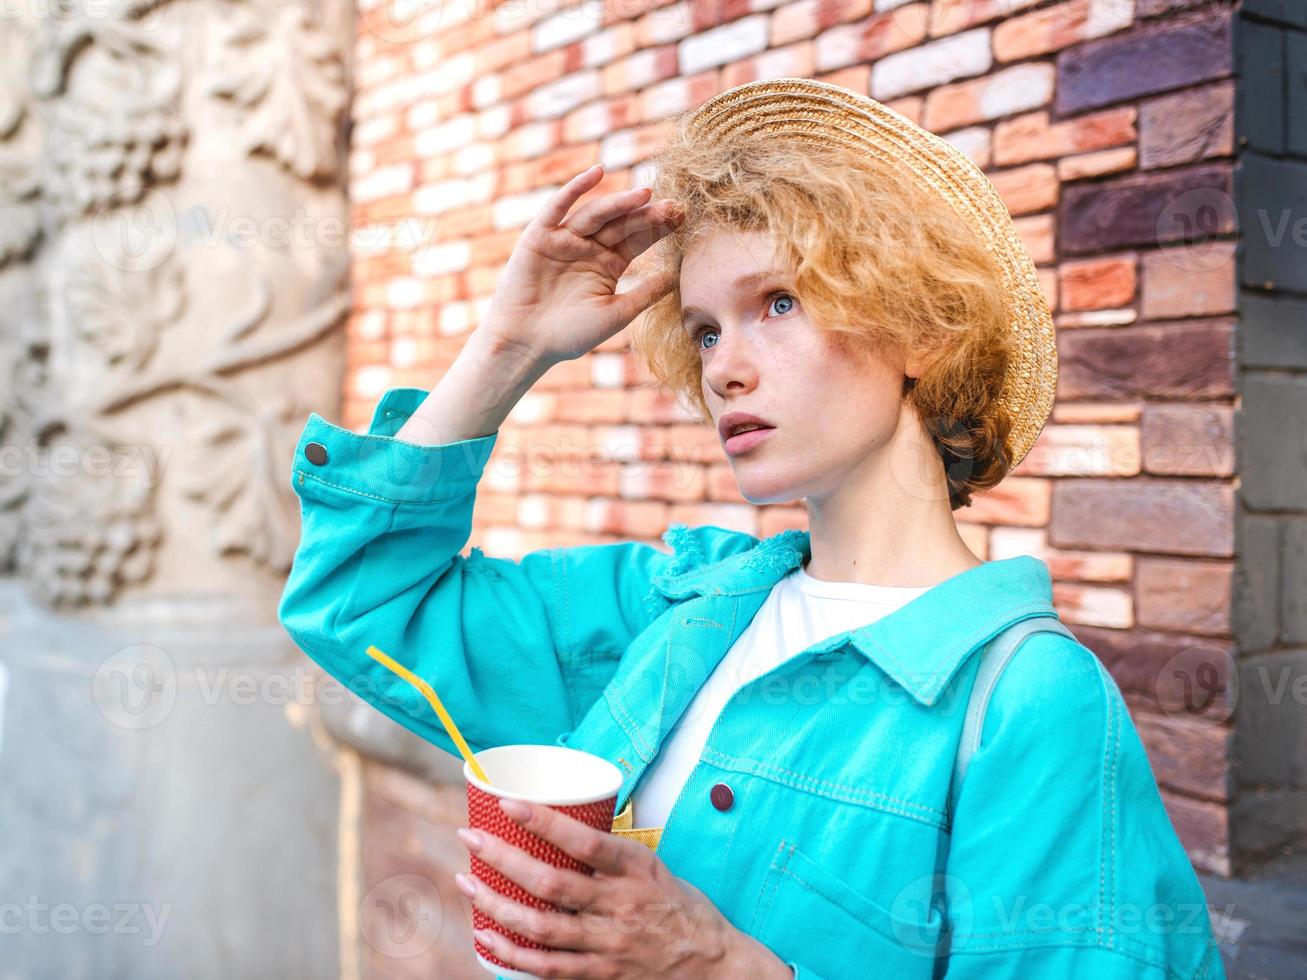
830, 410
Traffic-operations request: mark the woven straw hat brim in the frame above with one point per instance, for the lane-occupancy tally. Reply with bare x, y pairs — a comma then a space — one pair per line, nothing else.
820, 111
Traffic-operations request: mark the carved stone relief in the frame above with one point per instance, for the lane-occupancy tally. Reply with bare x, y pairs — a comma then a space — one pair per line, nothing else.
169, 297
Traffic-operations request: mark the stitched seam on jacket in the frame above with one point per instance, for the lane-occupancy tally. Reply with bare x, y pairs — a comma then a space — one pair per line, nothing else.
851, 794
767, 883
1032, 940
1105, 927
1085, 937
622, 716
1042, 941
1102, 828
1102, 938
617, 720
1142, 951
563, 639
1113, 737
771, 883
805, 884
808, 886
387, 500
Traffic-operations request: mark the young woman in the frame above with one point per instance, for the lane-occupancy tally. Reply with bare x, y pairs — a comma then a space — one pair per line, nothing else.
790, 712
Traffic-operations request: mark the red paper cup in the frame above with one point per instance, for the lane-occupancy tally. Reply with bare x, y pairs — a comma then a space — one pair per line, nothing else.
579, 784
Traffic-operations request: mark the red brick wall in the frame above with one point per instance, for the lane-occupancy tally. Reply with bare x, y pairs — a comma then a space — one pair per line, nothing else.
1106, 126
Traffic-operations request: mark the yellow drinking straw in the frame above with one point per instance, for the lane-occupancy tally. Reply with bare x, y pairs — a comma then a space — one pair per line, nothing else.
427, 692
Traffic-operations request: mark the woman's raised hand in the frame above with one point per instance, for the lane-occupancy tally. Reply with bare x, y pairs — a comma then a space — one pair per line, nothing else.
556, 298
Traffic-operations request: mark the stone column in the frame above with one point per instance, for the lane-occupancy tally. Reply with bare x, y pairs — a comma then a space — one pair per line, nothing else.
1269, 817
173, 277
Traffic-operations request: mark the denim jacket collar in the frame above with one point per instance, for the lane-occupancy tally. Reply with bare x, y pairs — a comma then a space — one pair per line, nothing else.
921, 644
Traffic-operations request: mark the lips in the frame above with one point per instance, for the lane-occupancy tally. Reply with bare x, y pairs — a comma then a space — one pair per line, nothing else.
745, 441
731, 421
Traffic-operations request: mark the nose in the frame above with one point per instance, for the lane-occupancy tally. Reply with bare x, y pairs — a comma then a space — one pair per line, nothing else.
732, 368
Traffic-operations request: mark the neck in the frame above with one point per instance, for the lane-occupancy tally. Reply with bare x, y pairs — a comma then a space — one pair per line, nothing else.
889, 521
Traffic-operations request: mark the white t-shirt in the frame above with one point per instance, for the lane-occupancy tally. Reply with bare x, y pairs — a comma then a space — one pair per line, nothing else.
799, 611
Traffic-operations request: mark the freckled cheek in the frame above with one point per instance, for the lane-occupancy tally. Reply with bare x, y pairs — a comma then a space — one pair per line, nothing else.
843, 407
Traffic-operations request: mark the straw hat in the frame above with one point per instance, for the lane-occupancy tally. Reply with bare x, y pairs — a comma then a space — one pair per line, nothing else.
819, 111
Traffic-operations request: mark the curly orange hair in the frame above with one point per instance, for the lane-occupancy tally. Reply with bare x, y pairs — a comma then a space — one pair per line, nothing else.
875, 257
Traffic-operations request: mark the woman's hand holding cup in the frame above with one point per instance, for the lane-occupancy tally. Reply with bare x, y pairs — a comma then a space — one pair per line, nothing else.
556, 894
632, 919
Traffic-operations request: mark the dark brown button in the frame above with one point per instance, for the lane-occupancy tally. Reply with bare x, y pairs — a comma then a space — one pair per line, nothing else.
721, 796
316, 453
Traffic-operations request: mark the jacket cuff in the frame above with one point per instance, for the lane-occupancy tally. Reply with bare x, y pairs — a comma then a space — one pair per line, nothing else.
375, 464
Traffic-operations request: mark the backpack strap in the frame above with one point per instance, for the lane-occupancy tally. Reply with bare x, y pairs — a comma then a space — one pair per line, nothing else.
994, 656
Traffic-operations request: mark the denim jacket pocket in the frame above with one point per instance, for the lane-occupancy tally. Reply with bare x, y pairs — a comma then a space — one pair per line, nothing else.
808, 914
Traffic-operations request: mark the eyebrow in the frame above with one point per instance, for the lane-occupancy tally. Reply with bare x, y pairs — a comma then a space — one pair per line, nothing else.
742, 283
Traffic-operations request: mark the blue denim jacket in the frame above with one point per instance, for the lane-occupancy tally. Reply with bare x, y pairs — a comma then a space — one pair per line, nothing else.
838, 852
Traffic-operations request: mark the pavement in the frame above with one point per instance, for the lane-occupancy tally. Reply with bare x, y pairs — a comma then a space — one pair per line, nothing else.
1261, 921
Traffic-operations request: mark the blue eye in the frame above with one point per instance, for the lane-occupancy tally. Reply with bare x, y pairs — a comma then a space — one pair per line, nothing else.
783, 296
771, 301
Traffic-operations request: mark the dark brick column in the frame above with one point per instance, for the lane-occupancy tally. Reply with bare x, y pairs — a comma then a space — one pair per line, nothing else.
1269, 815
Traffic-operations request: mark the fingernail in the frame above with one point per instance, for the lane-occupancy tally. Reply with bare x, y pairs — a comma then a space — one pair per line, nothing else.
515, 809
472, 838
465, 884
